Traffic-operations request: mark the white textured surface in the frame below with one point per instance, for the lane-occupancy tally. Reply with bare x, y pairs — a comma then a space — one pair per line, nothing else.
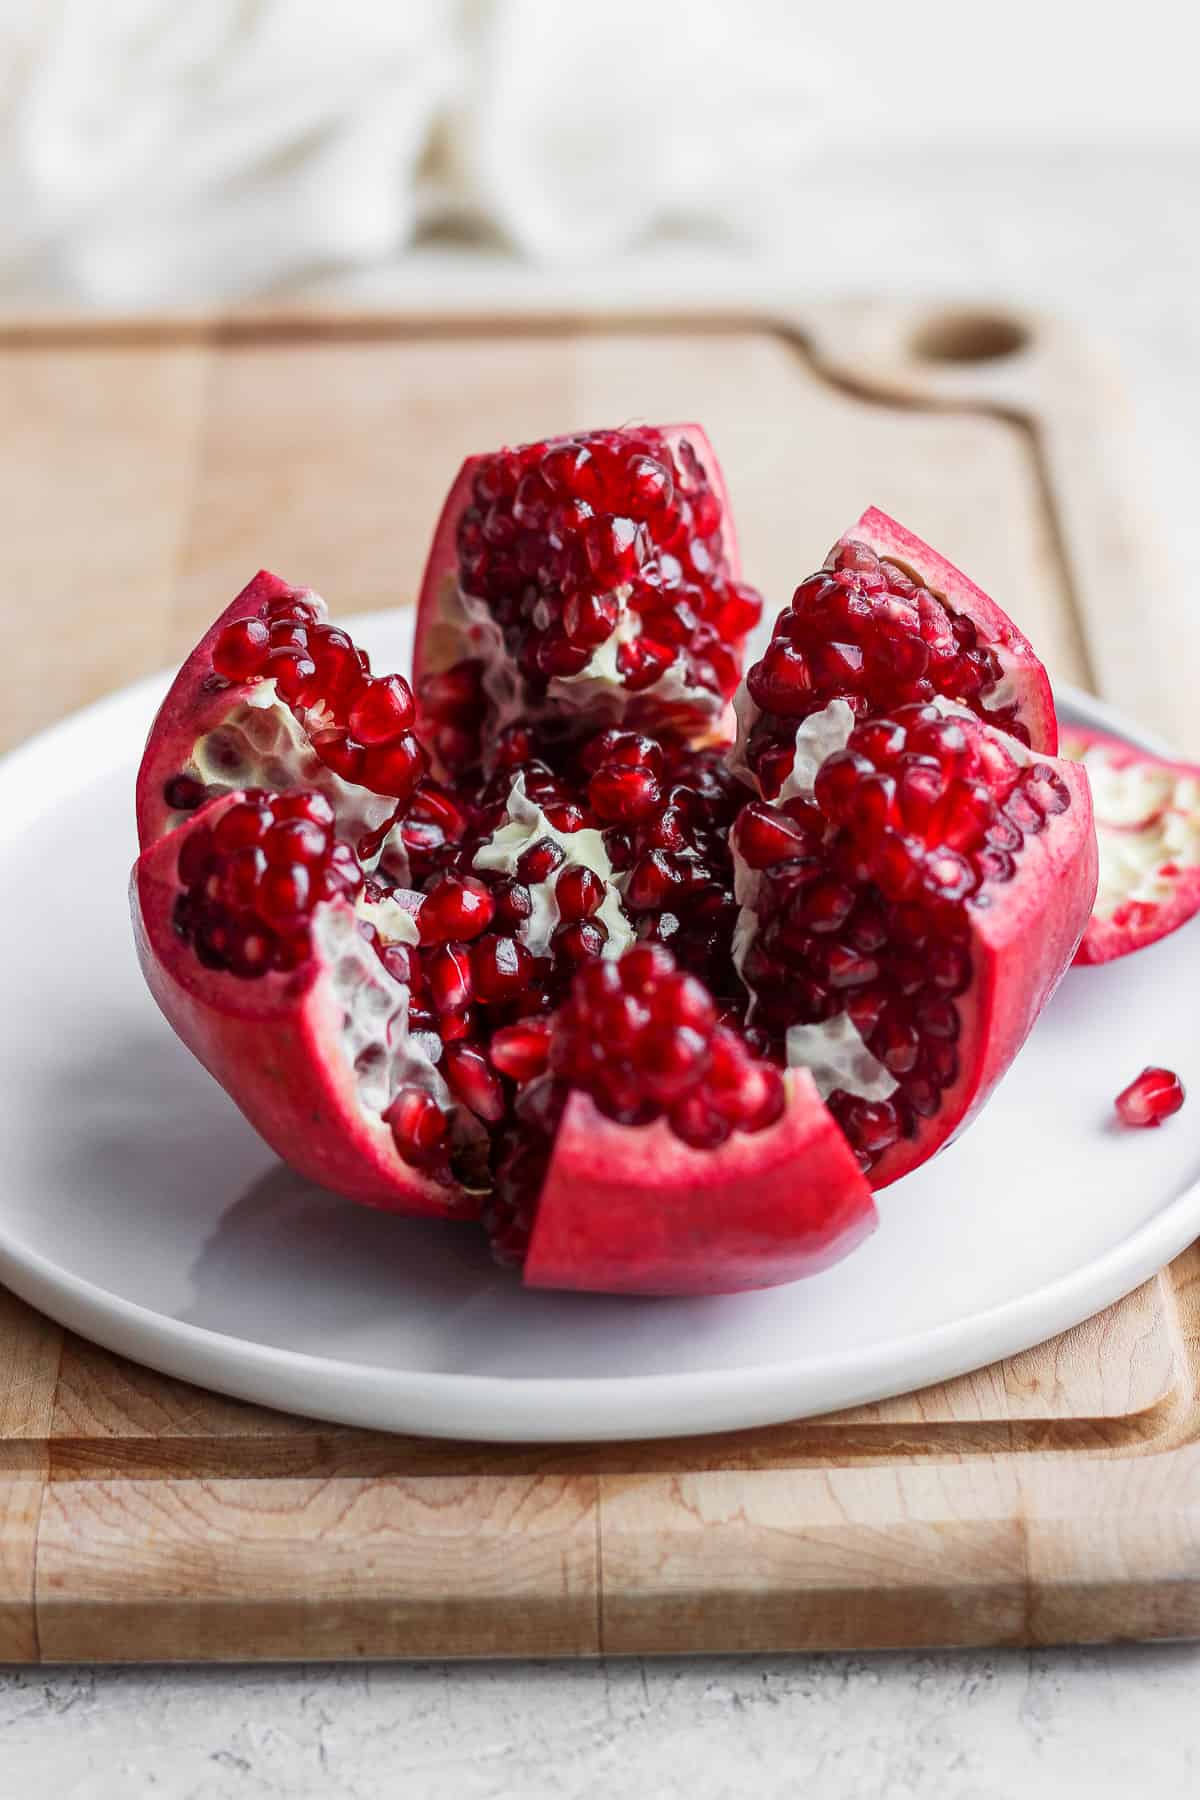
1111, 238
1008, 1726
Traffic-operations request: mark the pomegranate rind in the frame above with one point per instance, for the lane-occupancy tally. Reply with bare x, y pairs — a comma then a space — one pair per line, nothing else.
436, 646
273, 1045
1025, 939
632, 1210
189, 710
1028, 682
1121, 923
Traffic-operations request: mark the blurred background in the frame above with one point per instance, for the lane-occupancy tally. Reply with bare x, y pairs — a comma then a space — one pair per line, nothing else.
163, 153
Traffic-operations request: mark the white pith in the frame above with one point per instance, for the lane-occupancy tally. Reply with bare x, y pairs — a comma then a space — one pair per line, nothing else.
1147, 820
525, 824
261, 743
375, 1038
836, 1056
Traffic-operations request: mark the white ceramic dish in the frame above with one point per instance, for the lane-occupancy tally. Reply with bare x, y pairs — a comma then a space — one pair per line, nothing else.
140, 1210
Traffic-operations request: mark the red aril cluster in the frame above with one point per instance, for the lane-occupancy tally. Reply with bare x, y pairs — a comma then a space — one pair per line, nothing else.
249, 882
359, 724
865, 630
863, 900
572, 540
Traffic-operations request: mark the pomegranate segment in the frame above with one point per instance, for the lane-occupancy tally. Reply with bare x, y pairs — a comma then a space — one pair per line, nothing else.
1151, 1097
273, 696
640, 1212
885, 623
901, 931
273, 982
1148, 826
581, 580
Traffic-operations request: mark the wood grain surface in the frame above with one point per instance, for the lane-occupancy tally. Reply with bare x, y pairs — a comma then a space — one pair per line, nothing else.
149, 468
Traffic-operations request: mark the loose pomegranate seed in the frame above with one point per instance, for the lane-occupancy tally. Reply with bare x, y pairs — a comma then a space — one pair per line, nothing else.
539, 861
1149, 1099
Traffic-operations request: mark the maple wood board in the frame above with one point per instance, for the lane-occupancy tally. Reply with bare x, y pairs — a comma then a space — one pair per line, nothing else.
147, 469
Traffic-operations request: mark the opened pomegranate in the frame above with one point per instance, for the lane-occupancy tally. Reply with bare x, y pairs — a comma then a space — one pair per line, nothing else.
1148, 827
592, 577
653, 1007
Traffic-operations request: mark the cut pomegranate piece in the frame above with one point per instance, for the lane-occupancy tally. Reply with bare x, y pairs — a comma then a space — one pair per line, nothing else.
1148, 825
274, 697
902, 932
1151, 1098
263, 962
579, 580
886, 622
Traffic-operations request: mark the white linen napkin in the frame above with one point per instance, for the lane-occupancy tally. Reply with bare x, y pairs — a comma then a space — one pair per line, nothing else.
156, 151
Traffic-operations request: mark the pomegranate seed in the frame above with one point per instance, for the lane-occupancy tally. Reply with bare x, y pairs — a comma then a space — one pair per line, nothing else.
624, 793
457, 906
766, 836
183, 794
522, 1051
540, 861
448, 972
1150, 1098
241, 650
419, 1126
391, 768
246, 823
302, 805
580, 942
472, 1081
382, 711
578, 893
296, 840
500, 968
284, 892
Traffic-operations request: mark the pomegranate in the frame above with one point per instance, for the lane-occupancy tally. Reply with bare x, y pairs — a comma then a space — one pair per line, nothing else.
1150, 1098
586, 578
1148, 826
660, 1010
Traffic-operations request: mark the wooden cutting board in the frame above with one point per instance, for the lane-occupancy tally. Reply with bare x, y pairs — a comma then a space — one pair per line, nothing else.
146, 471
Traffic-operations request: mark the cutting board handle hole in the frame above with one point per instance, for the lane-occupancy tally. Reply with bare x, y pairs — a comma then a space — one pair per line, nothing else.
968, 337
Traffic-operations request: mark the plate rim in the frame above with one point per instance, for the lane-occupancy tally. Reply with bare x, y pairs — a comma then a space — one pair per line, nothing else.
549, 1408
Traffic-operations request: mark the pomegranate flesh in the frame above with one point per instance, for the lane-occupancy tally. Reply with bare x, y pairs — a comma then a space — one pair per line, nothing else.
660, 1010
886, 621
903, 926
1148, 827
582, 580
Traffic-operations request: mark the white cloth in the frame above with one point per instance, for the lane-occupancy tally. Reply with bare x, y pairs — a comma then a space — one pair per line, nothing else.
158, 151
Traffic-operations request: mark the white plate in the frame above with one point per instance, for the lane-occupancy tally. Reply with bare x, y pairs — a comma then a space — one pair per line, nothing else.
140, 1210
